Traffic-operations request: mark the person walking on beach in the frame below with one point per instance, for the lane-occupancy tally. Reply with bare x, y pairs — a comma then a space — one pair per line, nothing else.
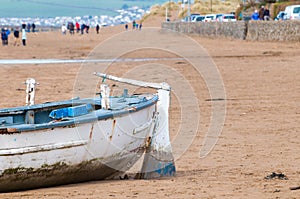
17, 36
33, 27
23, 25
3, 37
97, 28
64, 29
24, 37
126, 26
71, 28
28, 27
133, 24
77, 27
87, 27
82, 28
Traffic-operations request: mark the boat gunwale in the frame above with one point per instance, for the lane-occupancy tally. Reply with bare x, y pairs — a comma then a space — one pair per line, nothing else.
93, 116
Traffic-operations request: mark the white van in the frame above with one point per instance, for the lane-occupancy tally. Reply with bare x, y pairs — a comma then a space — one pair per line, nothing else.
292, 12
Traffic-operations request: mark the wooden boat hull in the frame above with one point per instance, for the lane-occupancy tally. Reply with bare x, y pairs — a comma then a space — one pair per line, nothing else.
85, 139
74, 153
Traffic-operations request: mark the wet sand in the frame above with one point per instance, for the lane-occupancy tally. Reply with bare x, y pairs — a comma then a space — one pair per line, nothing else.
260, 133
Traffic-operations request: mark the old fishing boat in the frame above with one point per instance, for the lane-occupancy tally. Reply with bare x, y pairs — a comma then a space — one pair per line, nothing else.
80, 140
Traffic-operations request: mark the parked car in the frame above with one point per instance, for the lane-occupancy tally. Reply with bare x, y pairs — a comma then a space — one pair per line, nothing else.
292, 12
217, 16
199, 18
210, 17
280, 16
193, 16
226, 18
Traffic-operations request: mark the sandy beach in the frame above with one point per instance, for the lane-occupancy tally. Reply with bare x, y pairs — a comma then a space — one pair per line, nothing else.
259, 135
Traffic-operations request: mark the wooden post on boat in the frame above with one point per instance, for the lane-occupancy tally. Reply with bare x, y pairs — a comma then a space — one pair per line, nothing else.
158, 160
30, 91
105, 91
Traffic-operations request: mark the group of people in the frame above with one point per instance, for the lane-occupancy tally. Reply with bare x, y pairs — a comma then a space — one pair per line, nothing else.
135, 25
83, 28
29, 27
5, 32
262, 14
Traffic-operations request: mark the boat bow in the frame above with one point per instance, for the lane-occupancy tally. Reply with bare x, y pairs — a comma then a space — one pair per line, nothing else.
158, 159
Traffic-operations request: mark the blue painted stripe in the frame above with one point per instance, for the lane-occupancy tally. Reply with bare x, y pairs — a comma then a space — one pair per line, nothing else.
88, 118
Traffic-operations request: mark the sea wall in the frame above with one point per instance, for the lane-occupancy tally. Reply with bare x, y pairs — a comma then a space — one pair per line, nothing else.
251, 30
274, 30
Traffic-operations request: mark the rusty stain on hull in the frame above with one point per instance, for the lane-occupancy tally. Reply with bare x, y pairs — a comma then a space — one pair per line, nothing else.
113, 129
91, 131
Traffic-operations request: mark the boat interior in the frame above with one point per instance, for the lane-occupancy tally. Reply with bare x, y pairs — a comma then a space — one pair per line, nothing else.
69, 112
